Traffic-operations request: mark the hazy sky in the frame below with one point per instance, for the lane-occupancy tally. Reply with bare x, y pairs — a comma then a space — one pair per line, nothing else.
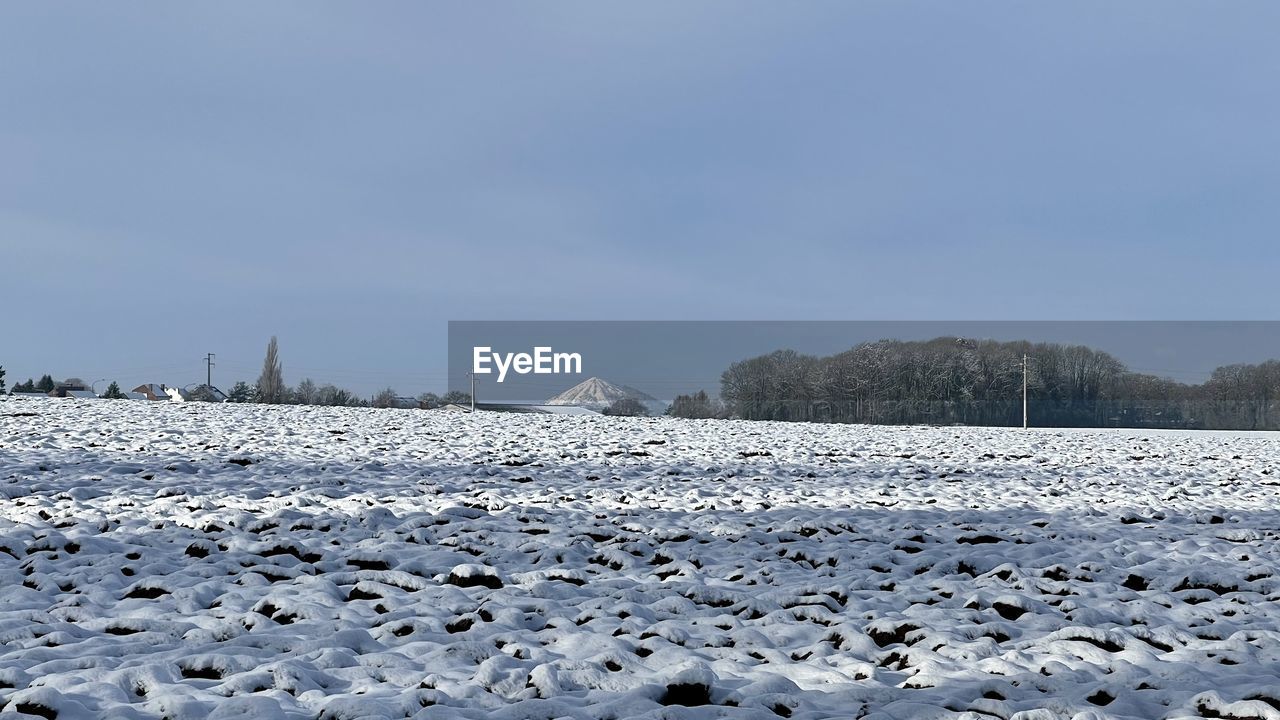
182, 178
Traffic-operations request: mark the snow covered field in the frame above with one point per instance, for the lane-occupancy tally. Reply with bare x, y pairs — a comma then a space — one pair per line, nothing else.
192, 561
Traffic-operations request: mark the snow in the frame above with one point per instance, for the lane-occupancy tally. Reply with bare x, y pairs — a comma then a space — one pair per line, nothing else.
240, 561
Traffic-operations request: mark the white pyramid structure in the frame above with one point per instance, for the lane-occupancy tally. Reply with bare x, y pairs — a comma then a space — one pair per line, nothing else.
599, 394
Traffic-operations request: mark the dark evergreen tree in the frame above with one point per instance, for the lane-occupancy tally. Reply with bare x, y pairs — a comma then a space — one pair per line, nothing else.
241, 392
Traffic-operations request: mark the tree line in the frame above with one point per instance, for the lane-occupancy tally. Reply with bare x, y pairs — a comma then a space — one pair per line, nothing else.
697, 406
44, 384
271, 389
949, 381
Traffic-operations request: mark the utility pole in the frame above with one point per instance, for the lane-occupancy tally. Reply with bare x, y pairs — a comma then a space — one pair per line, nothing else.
208, 369
473, 391
1024, 391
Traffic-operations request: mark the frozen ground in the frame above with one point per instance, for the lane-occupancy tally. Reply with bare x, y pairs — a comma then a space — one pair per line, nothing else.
193, 561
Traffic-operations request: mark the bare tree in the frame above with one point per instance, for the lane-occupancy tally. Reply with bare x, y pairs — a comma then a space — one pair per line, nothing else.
305, 393
974, 382
627, 407
456, 397
386, 399
333, 395
271, 387
696, 406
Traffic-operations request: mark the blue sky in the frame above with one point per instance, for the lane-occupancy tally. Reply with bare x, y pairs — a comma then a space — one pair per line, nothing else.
183, 178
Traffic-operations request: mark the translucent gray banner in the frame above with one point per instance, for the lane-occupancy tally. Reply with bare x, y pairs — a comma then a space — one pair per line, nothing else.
854, 370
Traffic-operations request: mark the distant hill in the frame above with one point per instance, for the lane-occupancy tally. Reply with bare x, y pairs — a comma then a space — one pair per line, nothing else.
599, 394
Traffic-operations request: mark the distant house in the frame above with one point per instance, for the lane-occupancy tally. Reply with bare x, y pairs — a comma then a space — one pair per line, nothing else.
153, 391
161, 392
71, 385
82, 394
204, 393
135, 396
